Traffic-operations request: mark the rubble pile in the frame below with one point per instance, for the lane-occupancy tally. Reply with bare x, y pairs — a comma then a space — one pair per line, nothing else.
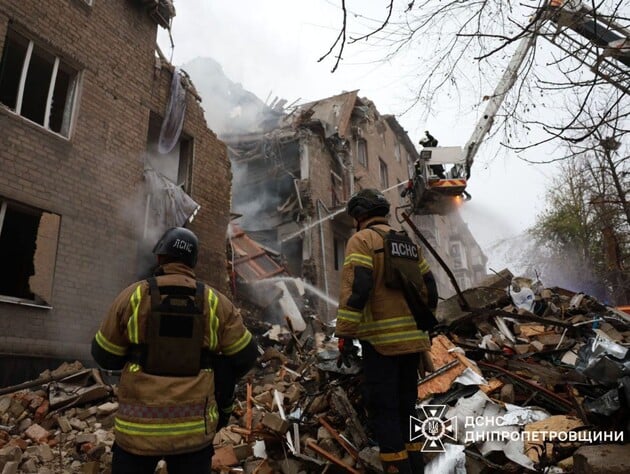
61, 422
525, 368
524, 378
297, 411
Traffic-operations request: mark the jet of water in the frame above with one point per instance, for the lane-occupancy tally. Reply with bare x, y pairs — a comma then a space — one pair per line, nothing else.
313, 224
311, 288
330, 216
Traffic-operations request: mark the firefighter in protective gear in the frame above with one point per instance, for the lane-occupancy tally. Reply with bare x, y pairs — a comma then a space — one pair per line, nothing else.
181, 346
378, 315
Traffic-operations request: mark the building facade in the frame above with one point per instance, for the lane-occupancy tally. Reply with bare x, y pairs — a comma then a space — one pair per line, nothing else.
83, 96
292, 182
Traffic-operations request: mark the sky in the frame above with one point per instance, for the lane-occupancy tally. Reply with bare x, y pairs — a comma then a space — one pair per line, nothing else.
272, 48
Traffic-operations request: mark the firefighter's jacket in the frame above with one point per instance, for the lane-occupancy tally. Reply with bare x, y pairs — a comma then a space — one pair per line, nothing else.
160, 415
368, 310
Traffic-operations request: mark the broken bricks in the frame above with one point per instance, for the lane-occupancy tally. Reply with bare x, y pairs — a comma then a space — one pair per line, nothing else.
292, 415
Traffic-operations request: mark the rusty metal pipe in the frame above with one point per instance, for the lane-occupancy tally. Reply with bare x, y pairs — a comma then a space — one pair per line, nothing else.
463, 304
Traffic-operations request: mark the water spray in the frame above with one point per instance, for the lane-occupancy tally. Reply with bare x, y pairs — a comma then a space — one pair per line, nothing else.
311, 288
331, 216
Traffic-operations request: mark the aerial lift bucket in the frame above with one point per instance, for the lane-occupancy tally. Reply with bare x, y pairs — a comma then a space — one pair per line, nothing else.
434, 189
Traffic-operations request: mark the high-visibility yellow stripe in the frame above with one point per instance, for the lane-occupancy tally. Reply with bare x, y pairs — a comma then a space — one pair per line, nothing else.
359, 259
391, 457
133, 367
132, 324
402, 324
155, 429
400, 336
352, 316
413, 446
213, 320
239, 345
229, 409
109, 346
213, 413
424, 266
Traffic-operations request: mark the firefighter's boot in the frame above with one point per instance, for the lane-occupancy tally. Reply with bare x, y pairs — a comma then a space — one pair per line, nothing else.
396, 463
415, 457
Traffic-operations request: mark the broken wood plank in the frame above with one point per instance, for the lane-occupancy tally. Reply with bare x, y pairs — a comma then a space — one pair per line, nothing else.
344, 444
331, 457
494, 384
341, 404
248, 413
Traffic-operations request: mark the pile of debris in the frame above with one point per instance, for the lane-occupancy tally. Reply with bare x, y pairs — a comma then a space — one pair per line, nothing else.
523, 379
60, 422
526, 378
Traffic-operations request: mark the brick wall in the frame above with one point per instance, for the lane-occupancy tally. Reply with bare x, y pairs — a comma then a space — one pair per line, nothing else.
381, 143
93, 180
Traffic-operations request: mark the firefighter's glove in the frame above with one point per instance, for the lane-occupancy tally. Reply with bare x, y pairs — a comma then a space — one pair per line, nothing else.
348, 352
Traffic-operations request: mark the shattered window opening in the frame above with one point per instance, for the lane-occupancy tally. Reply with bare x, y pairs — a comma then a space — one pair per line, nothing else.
36, 84
362, 156
383, 173
175, 165
339, 246
459, 256
28, 250
336, 182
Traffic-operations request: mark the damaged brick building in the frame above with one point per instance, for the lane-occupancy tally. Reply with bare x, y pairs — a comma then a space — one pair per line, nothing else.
293, 178
83, 98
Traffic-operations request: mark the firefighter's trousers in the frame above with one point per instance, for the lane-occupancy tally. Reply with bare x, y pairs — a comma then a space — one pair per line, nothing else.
197, 462
391, 392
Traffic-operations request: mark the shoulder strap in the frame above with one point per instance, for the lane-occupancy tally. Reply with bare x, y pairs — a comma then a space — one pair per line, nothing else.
380, 232
155, 291
199, 295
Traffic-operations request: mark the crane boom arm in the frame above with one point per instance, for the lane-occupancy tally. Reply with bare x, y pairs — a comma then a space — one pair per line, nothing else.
495, 101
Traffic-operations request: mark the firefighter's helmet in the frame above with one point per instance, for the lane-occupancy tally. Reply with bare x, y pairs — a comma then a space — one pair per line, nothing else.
367, 203
180, 244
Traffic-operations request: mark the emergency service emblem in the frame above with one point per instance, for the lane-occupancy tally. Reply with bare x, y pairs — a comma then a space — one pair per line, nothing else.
432, 428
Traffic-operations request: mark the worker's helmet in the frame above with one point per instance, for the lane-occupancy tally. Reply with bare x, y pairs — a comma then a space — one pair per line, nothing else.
367, 203
179, 243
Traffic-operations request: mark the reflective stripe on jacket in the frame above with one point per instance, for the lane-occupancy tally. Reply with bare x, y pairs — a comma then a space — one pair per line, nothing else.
385, 321
167, 415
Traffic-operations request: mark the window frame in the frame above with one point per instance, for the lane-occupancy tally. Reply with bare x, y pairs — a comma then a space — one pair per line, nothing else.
22, 208
16, 35
362, 145
382, 166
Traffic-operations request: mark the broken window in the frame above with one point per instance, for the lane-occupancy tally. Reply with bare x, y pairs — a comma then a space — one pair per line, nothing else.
397, 152
383, 174
36, 84
28, 249
336, 183
362, 152
168, 185
175, 165
458, 255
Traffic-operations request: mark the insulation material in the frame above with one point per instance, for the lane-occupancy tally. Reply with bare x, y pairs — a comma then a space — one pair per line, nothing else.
174, 116
168, 204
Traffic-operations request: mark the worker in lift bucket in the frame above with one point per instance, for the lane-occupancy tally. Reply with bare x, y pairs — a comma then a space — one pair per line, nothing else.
387, 299
181, 346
